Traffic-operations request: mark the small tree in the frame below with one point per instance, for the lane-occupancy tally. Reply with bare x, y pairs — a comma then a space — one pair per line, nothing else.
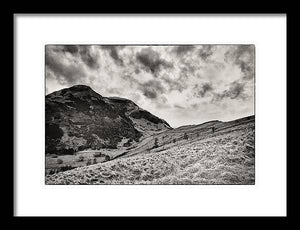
185, 136
174, 141
94, 161
69, 151
65, 168
98, 154
89, 162
80, 158
80, 148
156, 143
107, 158
213, 129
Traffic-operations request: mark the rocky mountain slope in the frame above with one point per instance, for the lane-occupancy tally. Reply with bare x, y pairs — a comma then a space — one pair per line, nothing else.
78, 118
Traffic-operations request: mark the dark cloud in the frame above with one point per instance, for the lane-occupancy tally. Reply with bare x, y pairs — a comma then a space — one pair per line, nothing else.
150, 94
203, 89
90, 59
183, 49
84, 52
65, 73
130, 79
174, 85
151, 60
72, 49
113, 52
137, 70
205, 52
243, 56
161, 102
188, 66
235, 91
152, 89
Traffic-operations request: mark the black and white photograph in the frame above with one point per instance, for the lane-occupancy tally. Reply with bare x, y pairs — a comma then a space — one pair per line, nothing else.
150, 114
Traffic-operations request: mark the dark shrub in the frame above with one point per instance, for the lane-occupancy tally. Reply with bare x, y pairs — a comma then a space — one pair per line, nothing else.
155, 143
65, 168
59, 161
68, 151
128, 143
185, 136
80, 158
98, 154
80, 148
107, 158
89, 162
94, 161
51, 171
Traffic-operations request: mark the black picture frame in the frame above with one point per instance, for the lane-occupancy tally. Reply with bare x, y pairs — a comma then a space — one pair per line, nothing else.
67, 10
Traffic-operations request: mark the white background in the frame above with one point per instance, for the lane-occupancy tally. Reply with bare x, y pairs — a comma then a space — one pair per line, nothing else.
266, 197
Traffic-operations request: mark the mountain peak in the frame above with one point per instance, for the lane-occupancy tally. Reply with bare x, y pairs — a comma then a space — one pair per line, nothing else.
75, 90
80, 88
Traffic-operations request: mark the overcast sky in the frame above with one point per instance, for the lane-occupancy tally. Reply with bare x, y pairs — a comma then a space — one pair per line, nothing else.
181, 84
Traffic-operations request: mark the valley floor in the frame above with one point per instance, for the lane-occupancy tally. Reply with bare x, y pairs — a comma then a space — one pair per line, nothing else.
226, 156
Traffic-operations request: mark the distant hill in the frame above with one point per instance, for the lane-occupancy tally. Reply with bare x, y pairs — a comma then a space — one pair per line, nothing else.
78, 118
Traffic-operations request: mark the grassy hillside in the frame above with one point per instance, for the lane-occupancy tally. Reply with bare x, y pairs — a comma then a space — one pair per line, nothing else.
186, 155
